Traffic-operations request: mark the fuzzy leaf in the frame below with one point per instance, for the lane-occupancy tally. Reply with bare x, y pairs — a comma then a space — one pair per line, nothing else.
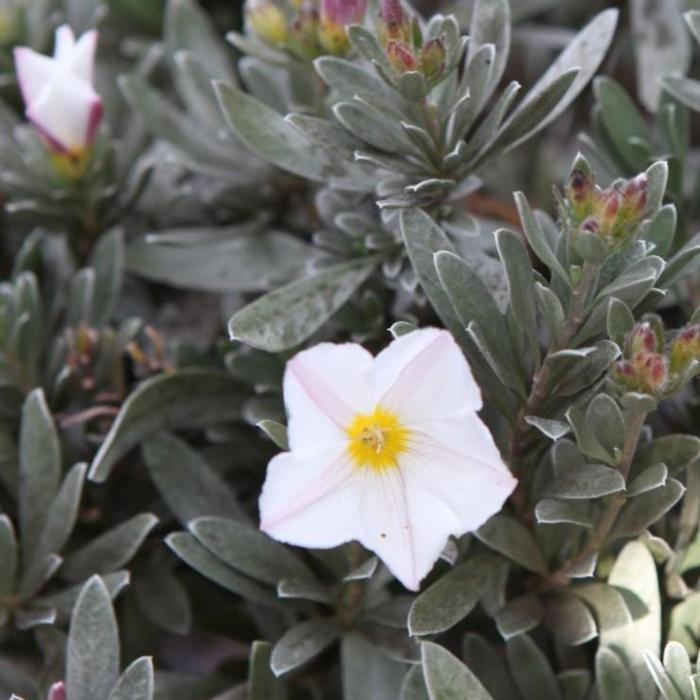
531, 670
301, 643
367, 673
512, 539
590, 481
136, 683
447, 678
262, 684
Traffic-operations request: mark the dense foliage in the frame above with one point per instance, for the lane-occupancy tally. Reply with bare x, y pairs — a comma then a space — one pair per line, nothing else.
232, 184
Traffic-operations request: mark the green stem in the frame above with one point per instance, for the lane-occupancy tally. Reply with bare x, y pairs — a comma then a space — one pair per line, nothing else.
606, 523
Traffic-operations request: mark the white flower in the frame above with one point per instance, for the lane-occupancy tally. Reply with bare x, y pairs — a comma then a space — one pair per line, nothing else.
388, 451
58, 92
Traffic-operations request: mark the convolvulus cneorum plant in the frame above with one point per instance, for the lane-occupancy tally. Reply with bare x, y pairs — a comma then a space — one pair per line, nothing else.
296, 402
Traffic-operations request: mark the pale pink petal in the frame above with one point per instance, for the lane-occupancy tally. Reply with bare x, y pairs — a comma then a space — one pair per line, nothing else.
81, 61
64, 43
65, 113
405, 527
34, 72
424, 374
474, 484
311, 502
324, 388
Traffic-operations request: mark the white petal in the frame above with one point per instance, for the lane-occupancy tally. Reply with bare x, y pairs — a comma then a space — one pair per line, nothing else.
406, 526
64, 43
473, 482
324, 387
34, 72
81, 61
311, 502
66, 111
424, 374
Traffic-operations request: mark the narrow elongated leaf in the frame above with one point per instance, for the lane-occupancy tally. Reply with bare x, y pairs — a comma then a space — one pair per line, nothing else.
287, 316
92, 667
136, 683
188, 397
447, 678
531, 670
39, 467
302, 643
108, 262
8, 555
614, 679
262, 684
245, 263
641, 511
368, 674
512, 539
519, 615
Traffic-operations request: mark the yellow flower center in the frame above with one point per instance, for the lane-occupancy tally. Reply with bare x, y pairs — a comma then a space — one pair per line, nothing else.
71, 166
377, 439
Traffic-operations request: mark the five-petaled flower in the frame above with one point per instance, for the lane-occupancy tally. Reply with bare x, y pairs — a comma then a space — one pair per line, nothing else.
58, 92
388, 451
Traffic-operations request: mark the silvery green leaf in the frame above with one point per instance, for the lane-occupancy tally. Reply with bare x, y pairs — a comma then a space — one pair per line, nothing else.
451, 598
553, 429
677, 665
605, 420
623, 122
532, 115
488, 665
39, 467
373, 127
638, 403
678, 264
512, 539
645, 509
93, 645
589, 246
574, 684
301, 643
302, 590
614, 681
136, 683
8, 555
80, 297
62, 514
412, 86
685, 90
277, 141
289, 315
188, 28
657, 179
675, 451
187, 484
662, 46
367, 673
620, 321
276, 432
587, 441
635, 570
530, 669
107, 260
591, 481
569, 619
574, 512
187, 397
366, 44
413, 687
261, 681
650, 478
245, 263
519, 615
521, 286
194, 87
202, 560
447, 678
608, 604
490, 24
661, 679
162, 598
585, 372
26, 619
552, 311
472, 87
537, 240
364, 571
662, 230
110, 550
248, 550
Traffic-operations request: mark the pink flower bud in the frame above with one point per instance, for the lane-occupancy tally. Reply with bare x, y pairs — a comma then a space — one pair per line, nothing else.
391, 12
335, 16
432, 58
401, 57
642, 340
58, 92
57, 691
685, 348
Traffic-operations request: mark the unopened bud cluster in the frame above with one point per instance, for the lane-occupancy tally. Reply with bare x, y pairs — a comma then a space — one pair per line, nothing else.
613, 214
655, 365
307, 28
402, 39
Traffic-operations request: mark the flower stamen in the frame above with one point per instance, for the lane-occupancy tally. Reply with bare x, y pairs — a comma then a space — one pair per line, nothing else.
377, 439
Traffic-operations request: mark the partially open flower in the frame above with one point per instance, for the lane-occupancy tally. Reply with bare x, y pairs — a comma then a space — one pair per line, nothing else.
57, 691
686, 348
335, 16
394, 23
388, 451
644, 369
59, 94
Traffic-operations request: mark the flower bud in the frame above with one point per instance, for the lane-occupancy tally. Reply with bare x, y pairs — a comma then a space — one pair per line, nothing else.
59, 95
432, 58
685, 348
642, 340
401, 57
335, 16
57, 691
579, 192
394, 24
304, 32
267, 21
635, 196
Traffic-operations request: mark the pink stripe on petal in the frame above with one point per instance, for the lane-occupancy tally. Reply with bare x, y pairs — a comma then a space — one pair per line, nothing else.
326, 400
96, 113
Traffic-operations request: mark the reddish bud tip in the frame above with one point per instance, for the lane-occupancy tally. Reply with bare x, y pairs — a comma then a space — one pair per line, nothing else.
57, 691
401, 57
